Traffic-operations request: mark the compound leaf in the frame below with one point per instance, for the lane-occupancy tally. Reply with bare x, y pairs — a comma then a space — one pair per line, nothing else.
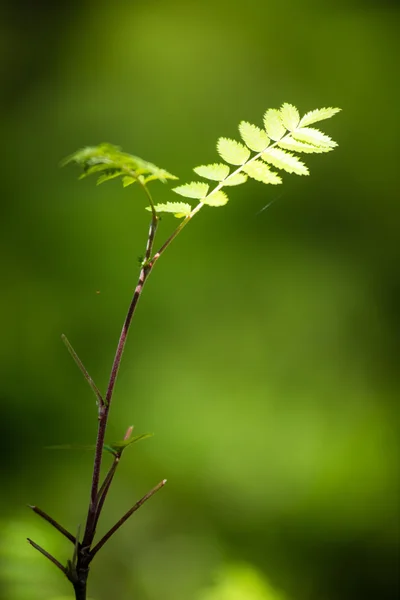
217, 198
261, 172
290, 116
195, 189
178, 209
255, 138
216, 171
232, 152
273, 124
285, 160
319, 114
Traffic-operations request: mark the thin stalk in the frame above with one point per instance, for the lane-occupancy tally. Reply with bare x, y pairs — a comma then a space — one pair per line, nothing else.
126, 516
54, 523
49, 556
93, 514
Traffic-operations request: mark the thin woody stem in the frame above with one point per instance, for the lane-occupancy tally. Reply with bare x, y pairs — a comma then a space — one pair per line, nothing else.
104, 412
126, 517
49, 556
54, 523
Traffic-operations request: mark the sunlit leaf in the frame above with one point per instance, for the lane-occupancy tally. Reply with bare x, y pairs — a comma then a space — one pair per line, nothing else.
232, 151
261, 172
295, 146
178, 209
290, 116
195, 189
218, 198
309, 135
236, 179
318, 114
216, 171
284, 160
273, 124
255, 138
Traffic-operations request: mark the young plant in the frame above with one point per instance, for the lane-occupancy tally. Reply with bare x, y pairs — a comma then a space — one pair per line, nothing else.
260, 155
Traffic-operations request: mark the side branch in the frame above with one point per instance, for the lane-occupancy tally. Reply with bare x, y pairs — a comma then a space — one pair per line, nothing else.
54, 523
49, 556
126, 517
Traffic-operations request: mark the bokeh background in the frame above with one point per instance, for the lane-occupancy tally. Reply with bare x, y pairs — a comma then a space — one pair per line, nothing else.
264, 353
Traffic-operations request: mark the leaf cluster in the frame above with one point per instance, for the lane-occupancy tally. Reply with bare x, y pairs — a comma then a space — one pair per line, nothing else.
109, 162
261, 153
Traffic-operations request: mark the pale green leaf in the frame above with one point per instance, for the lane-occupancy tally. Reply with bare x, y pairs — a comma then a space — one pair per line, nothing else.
254, 137
261, 172
107, 176
236, 179
284, 160
178, 209
319, 114
195, 189
217, 198
127, 180
273, 124
216, 171
290, 116
233, 152
309, 135
288, 143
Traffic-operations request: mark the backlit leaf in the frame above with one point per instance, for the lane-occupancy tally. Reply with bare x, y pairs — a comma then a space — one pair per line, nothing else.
216, 171
290, 144
318, 114
195, 189
254, 137
284, 160
309, 135
290, 116
218, 198
178, 209
236, 179
232, 152
273, 124
261, 172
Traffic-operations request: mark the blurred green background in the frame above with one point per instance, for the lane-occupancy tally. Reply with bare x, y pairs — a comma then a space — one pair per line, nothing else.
264, 354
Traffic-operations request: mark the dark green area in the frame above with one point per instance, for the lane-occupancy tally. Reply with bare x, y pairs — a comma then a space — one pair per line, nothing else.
264, 353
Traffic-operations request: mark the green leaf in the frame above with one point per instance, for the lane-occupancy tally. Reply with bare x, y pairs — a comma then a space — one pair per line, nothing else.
290, 144
273, 124
122, 444
216, 171
290, 116
232, 152
126, 180
261, 172
284, 160
309, 135
113, 162
236, 179
217, 198
254, 137
195, 189
318, 114
178, 209
107, 176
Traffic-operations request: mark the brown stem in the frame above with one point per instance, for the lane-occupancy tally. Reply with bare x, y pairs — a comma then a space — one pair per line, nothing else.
104, 412
126, 517
49, 556
54, 523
